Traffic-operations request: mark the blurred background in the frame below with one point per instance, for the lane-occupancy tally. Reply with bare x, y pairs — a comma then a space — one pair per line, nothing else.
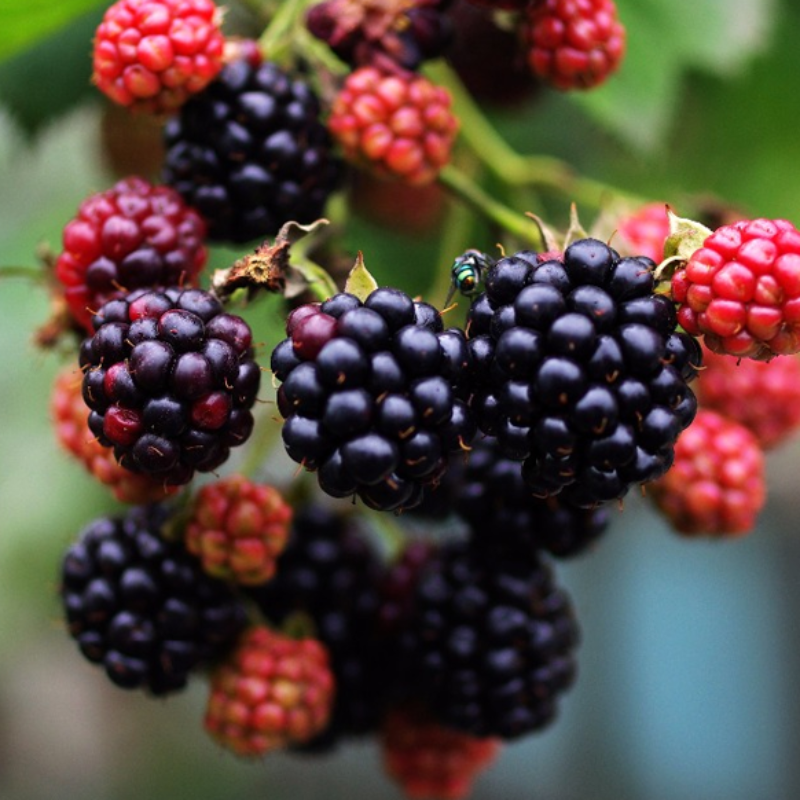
690, 663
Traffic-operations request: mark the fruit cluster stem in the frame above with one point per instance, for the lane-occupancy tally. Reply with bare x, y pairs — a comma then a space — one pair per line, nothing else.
463, 187
513, 168
279, 33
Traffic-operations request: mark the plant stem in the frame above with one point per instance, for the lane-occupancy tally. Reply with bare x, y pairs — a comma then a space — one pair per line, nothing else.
278, 34
455, 239
29, 273
467, 190
513, 168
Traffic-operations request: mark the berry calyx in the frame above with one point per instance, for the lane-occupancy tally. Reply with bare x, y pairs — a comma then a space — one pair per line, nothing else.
238, 529
741, 289
396, 126
429, 760
152, 55
716, 485
131, 236
271, 692
574, 44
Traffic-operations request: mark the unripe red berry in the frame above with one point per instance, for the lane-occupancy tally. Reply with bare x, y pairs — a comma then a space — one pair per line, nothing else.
272, 692
238, 529
396, 126
152, 55
741, 289
716, 484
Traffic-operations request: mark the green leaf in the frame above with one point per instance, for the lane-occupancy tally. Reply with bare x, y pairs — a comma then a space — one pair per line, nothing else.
46, 80
26, 23
665, 40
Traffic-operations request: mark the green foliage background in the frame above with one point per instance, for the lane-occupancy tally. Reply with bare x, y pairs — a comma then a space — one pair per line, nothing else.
691, 652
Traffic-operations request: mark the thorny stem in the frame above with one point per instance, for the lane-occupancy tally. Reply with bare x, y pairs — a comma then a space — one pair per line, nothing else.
513, 168
509, 220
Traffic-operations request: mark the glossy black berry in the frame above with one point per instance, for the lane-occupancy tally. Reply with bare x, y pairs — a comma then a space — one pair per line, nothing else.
587, 378
141, 606
176, 401
380, 406
490, 645
250, 153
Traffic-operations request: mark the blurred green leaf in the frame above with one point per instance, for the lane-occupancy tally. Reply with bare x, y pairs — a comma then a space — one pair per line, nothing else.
665, 40
44, 81
25, 23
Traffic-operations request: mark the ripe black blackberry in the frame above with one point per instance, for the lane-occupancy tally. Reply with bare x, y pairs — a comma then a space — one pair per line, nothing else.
584, 377
170, 380
250, 153
490, 646
143, 607
329, 573
488, 492
370, 395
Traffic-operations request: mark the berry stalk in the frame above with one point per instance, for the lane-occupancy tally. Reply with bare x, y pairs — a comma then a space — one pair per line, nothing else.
463, 187
511, 167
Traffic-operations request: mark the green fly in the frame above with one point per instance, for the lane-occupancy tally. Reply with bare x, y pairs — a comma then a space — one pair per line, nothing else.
467, 273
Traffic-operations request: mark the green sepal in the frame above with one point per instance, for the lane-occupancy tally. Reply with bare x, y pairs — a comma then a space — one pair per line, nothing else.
359, 281
686, 237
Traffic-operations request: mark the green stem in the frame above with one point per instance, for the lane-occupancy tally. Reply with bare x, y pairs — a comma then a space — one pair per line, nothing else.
278, 34
266, 433
456, 231
511, 167
320, 283
29, 273
467, 190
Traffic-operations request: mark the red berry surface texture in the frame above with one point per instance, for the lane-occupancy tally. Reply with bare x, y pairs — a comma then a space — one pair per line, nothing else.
151, 55
429, 760
272, 692
128, 237
238, 529
716, 485
741, 289
762, 396
73, 434
574, 44
396, 126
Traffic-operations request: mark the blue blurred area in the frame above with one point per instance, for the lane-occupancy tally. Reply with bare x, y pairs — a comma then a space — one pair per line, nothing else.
688, 682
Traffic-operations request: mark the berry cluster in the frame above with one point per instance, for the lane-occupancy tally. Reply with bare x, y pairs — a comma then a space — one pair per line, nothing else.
498, 442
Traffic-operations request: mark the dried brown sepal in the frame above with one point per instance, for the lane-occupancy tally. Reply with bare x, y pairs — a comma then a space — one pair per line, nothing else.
268, 267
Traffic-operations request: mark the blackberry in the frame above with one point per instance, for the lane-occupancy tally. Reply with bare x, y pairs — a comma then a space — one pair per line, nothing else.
370, 395
329, 573
249, 153
490, 495
585, 379
143, 607
490, 646
170, 380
